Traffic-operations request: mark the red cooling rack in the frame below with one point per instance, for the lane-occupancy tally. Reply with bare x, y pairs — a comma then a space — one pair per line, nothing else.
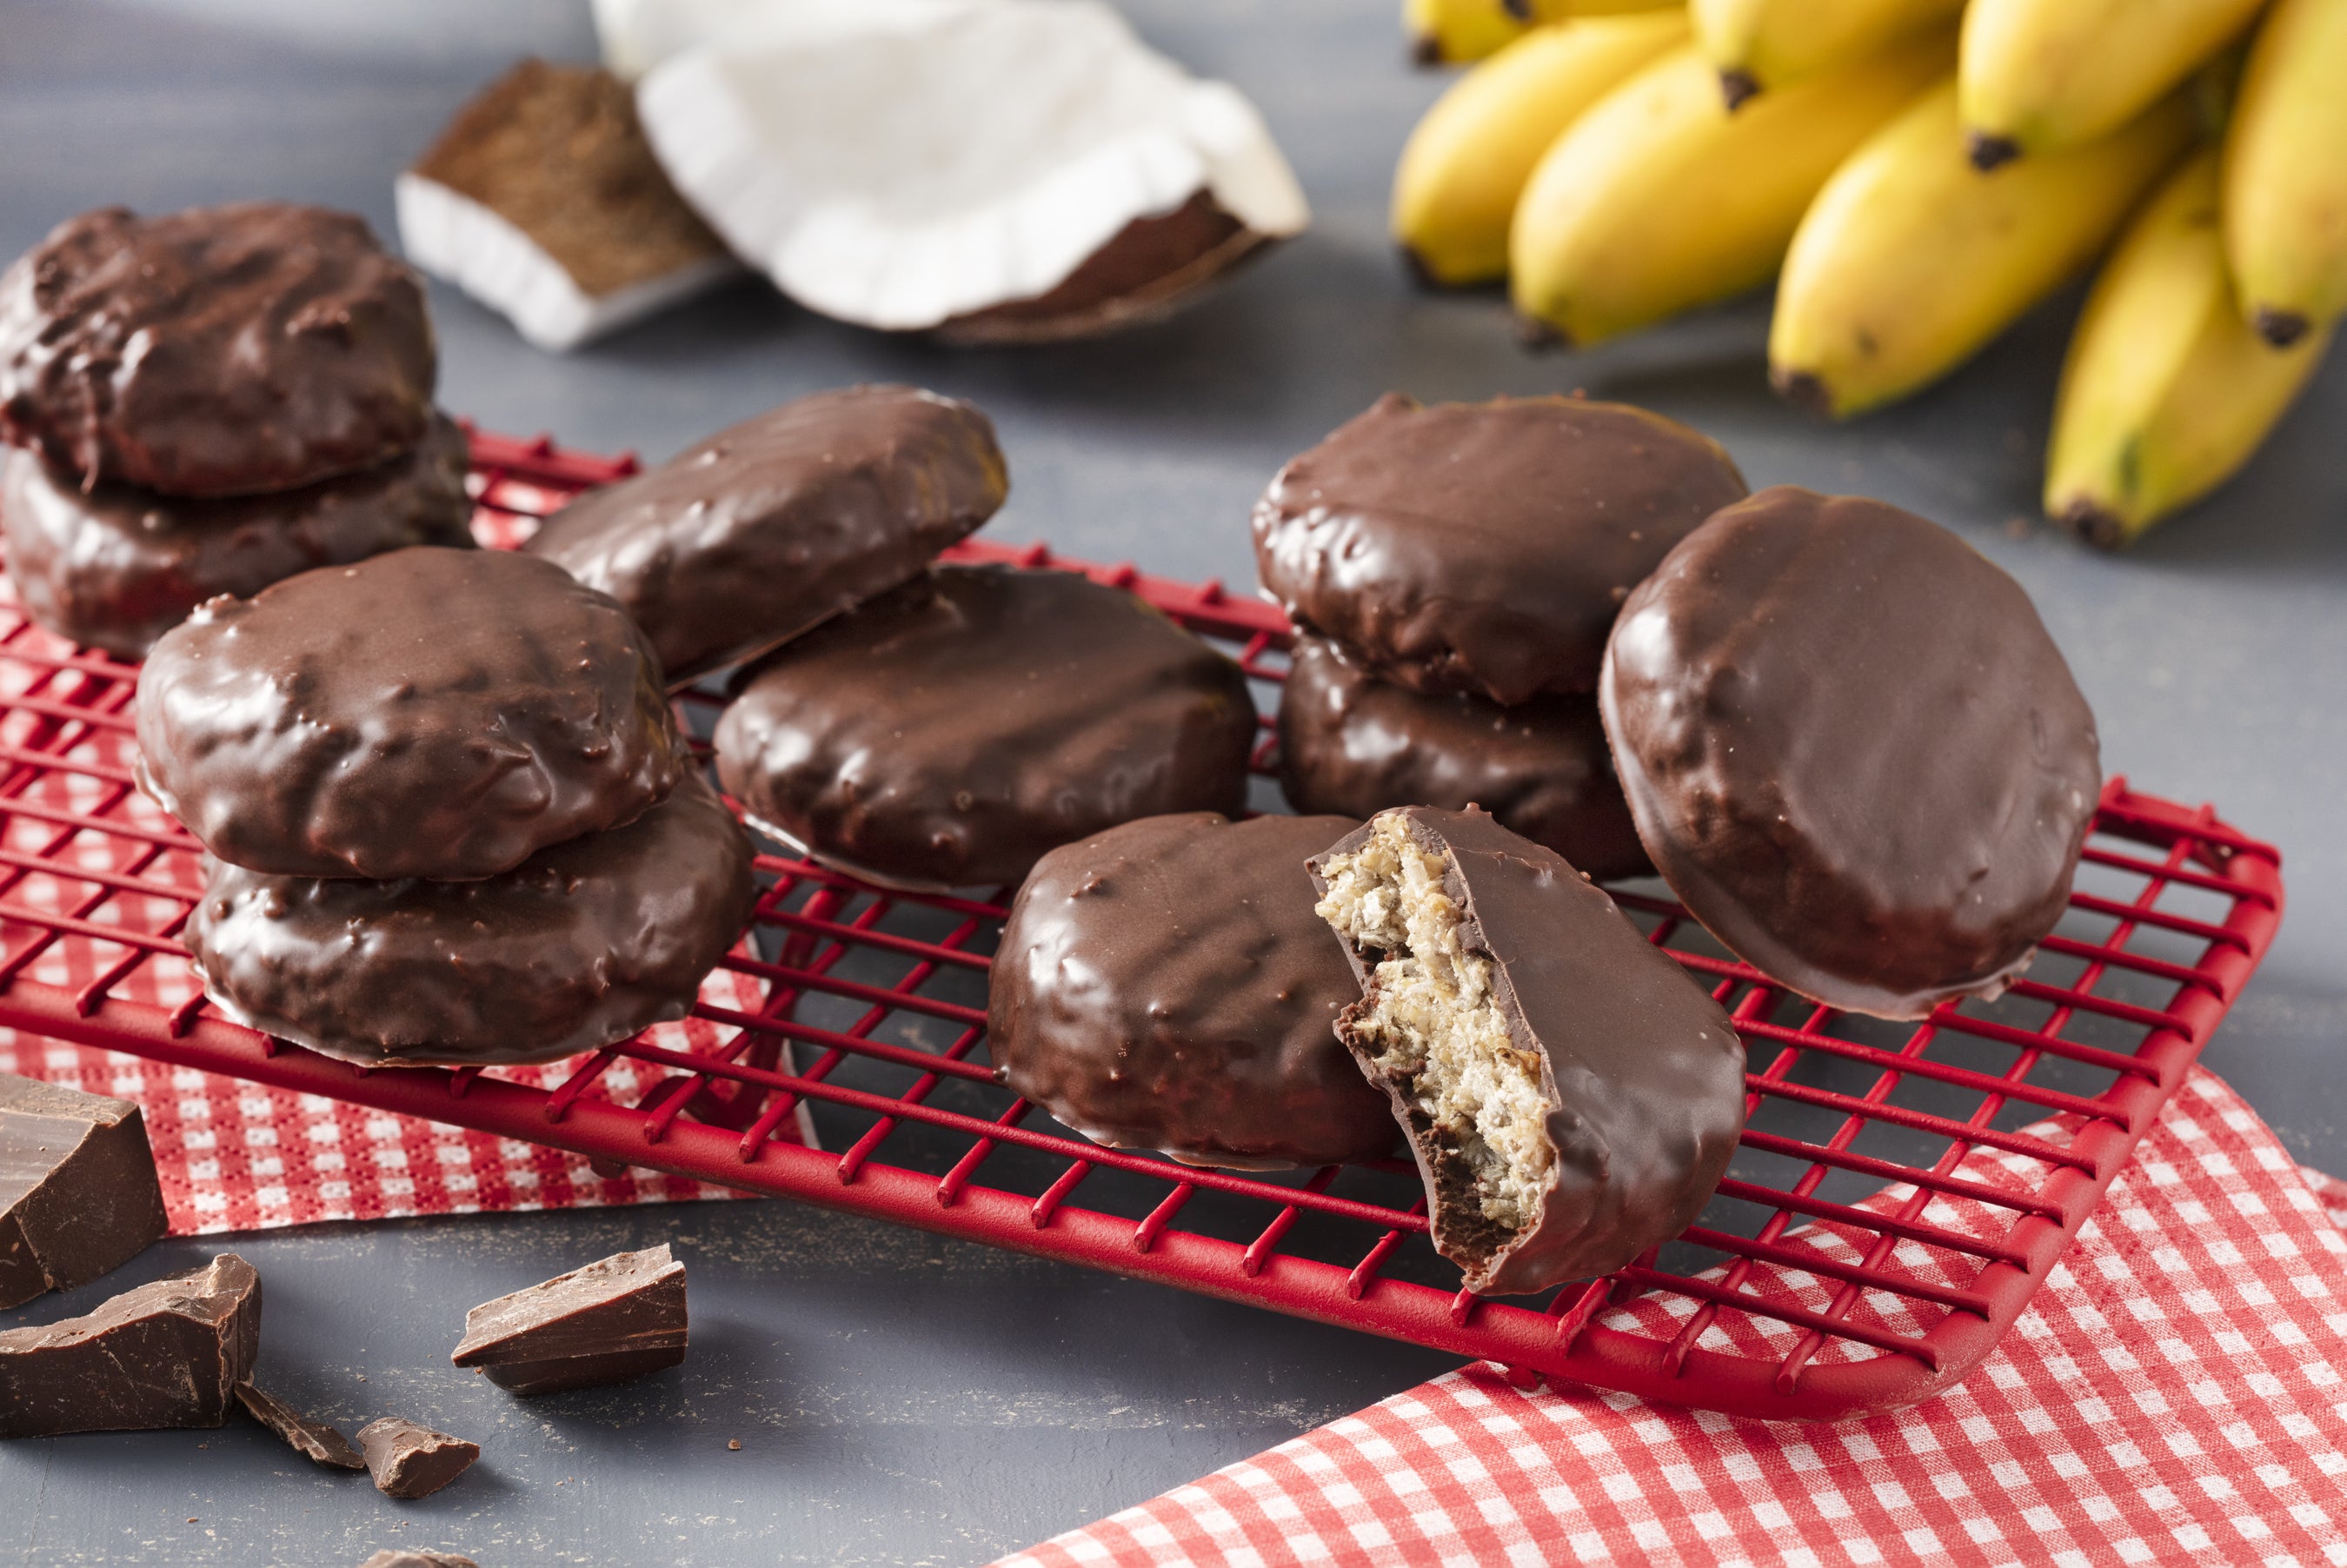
1901, 1193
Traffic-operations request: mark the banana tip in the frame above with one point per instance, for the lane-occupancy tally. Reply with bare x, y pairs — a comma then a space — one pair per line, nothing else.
1425, 51
1537, 337
1987, 150
1736, 87
2095, 524
1803, 389
1415, 266
2279, 328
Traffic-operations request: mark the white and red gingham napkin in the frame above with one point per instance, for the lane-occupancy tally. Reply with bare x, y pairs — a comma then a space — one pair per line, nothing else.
2176, 1393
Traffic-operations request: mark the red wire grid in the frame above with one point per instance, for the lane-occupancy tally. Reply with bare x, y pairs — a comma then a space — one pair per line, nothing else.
2016, 1112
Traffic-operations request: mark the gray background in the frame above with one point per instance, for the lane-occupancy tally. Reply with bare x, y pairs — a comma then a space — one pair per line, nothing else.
902, 1399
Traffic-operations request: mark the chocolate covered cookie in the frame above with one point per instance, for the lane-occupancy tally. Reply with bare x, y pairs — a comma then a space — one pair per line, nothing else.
116, 568
1165, 985
1483, 547
1853, 749
1571, 1095
1354, 744
579, 945
762, 531
214, 352
429, 712
951, 731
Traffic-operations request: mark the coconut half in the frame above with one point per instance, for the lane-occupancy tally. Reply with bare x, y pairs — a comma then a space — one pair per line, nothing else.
994, 170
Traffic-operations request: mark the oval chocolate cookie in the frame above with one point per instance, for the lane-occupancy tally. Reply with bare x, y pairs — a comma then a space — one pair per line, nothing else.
1354, 744
213, 351
1165, 985
762, 531
1483, 547
429, 712
1852, 750
950, 732
116, 568
579, 945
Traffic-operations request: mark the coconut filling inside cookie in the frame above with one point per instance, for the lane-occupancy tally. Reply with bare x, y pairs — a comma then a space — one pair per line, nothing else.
1432, 1025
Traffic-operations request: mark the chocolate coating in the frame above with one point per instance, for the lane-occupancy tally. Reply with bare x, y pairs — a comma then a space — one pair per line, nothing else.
1165, 985
765, 530
1354, 744
1853, 749
116, 568
429, 712
1641, 1072
585, 944
1483, 547
213, 351
952, 732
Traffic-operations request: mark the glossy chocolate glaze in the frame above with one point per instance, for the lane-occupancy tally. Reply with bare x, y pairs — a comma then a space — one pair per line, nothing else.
1354, 744
1853, 749
585, 944
952, 732
765, 530
213, 351
429, 712
116, 568
1165, 985
1643, 1073
1483, 547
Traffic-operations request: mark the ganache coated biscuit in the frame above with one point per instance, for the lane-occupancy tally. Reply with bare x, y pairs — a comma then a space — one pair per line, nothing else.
1483, 547
762, 531
428, 712
116, 566
1354, 745
1571, 1095
217, 351
1853, 749
952, 732
1165, 985
585, 944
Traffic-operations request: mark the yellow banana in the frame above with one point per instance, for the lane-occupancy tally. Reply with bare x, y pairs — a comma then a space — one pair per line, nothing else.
1453, 32
1910, 259
2165, 391
1657, 200
2285, 172
1466, 161
2040, 75
1761, 44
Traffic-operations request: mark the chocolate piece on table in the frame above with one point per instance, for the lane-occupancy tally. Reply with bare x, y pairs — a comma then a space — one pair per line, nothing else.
584, 944
1483, 547
398, 1557
169, 1354
214, 352
313, 1440
950, 732
1571, 1095
116, 568
605, 1323
78, 1193
429, 712
745, 540
1352, 743
409, 1461
1853, 751
1165, 985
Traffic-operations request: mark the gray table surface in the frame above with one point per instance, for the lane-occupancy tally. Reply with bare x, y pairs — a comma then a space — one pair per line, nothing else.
900, 1398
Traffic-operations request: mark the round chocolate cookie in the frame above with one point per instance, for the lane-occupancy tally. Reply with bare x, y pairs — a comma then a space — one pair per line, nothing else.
1853, 749
743, 542
1352, 743
947, 734
1165, 985
1483, 547
116, 568
579, 945
213, 351
429, 712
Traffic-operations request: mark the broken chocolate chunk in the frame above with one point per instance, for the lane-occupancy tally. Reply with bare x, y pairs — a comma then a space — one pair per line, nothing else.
78, 1195
408, 1460
391, 1557
169, 1354
315, 1440
607, 1322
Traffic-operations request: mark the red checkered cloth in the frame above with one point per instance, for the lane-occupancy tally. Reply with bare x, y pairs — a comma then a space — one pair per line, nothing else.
2174, 1394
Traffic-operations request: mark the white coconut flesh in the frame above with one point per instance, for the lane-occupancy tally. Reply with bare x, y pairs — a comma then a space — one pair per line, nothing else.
937, 160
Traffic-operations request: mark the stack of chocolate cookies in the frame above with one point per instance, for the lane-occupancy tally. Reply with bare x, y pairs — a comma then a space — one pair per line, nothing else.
207, 403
